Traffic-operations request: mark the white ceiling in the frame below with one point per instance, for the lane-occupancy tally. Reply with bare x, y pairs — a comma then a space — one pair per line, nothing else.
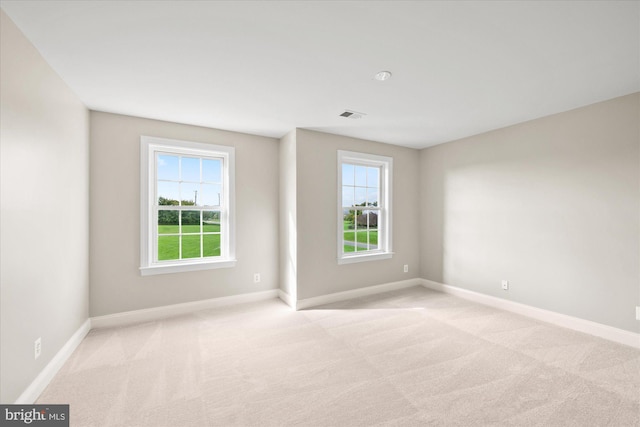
459, 68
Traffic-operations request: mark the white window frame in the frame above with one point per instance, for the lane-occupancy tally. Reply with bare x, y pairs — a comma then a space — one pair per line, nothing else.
149, 148
384, 250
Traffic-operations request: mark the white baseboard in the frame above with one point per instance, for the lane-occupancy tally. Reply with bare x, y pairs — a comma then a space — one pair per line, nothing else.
581, 325
31, 394
287, 298
156, 313
355, 293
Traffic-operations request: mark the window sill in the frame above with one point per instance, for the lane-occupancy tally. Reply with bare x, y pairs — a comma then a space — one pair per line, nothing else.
182, 267
363, 258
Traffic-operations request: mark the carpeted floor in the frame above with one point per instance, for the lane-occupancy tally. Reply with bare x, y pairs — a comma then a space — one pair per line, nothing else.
405, 358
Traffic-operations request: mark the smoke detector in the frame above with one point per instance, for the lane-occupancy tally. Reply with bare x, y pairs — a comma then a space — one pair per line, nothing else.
383, 75
352, 114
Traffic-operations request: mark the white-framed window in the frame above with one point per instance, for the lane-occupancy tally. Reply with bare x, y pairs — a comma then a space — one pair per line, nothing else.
364, 207
187, 206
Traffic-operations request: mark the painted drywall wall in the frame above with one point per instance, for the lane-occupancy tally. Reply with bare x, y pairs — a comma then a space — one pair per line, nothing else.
44, 237
116, 284
318, 269
288, 216
552, 205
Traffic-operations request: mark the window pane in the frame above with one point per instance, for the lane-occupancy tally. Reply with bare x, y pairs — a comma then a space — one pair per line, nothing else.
211, 245
361, 176
168, 222
361, 196
167, 167
211, 221
348, 219
168, 193
361, 220
372, 197
356, 241
373, 177
190, 221
211, 195
190, 169
373, 239
347, 174
349, 242
353, 217
211, 170
348, 196
168, 248
372, 228
189, 193
191, 246
370, 218
365, 236
363, 243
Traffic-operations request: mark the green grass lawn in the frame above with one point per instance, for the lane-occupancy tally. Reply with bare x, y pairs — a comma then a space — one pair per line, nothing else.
169, 246
350, 236
361, 236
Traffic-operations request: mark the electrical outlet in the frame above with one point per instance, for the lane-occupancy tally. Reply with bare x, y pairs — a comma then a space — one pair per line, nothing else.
505, 285
256, 278
638, 313
37, 348
406, 268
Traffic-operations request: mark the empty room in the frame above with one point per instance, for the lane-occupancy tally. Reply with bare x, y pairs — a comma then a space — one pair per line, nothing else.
321, 213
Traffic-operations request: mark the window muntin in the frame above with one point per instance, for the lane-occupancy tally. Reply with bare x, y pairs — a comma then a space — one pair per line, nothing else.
187, 208
363, 197
361, 207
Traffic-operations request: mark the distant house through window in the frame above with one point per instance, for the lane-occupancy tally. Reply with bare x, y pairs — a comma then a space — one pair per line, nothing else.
187, 206
364, 214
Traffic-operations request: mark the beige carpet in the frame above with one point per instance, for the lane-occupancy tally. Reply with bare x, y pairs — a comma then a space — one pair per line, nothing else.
405, 358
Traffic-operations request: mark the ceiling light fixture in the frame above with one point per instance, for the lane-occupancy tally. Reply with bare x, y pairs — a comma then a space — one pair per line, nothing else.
383, 75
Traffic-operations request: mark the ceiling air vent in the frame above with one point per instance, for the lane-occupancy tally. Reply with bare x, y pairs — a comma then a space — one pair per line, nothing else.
352, 114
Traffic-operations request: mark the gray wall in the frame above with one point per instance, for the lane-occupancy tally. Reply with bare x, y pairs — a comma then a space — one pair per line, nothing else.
44, 237
552, 205
318, 270
116, 284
